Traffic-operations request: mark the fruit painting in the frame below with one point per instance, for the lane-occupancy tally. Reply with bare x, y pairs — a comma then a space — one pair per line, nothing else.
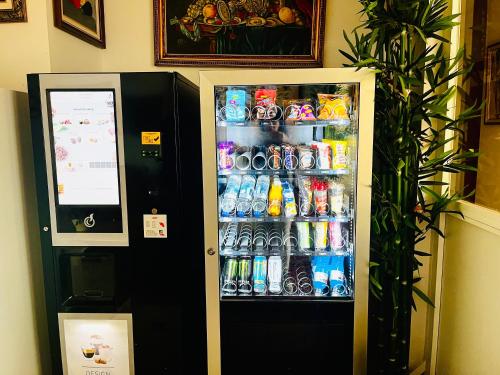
279, 33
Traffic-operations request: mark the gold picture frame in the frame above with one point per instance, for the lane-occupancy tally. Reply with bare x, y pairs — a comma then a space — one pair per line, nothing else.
256, 33
13, 11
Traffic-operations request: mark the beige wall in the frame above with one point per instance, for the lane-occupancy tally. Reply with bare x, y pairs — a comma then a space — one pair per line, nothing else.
488, 178
469, 325
22, 317
129, 36
37, 46
25, 47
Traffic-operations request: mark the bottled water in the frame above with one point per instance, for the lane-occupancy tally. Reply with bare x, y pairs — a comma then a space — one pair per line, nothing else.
228, 203
259, 204
244, 204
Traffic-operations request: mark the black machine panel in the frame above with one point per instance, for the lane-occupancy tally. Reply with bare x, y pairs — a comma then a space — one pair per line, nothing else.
286, 338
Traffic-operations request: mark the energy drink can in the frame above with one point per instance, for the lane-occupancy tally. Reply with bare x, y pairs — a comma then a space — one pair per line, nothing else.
230, 276
259, 274
275, 274
244, 276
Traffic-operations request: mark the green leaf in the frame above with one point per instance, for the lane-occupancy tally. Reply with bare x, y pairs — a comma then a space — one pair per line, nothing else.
422, 296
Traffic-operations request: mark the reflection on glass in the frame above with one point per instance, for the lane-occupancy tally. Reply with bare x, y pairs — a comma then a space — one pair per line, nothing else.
286, 161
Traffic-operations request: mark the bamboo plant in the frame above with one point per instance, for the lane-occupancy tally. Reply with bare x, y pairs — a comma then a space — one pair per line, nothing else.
403, 41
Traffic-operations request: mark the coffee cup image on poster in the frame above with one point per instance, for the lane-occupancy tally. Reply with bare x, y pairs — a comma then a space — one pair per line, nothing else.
96, 347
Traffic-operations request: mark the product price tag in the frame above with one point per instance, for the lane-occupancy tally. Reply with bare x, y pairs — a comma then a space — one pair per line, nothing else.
150, 138
155, 226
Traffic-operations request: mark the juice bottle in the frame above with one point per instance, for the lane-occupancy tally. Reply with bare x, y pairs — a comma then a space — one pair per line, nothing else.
275, 197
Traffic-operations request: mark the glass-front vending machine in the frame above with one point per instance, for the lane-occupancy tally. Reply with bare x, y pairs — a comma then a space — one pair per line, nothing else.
287, 158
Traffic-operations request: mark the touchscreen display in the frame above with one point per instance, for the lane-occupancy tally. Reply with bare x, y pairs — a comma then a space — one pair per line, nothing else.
84, 147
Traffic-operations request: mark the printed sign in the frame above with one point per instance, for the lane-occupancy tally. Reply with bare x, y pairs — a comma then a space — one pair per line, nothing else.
150, 138
96, 344
155, 226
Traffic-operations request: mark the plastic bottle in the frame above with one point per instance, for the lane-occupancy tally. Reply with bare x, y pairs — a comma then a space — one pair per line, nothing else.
275, 197
244, 204
259, 203
228, 203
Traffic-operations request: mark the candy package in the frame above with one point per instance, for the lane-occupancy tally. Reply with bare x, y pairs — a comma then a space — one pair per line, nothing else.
323, 154
299, 109
265, 101
235, 105
334, 107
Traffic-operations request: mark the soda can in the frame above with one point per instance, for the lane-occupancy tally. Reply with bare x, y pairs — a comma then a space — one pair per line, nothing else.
274, 157
290, 161
226, 155
230, 276
275, 274
244, 276
259, 274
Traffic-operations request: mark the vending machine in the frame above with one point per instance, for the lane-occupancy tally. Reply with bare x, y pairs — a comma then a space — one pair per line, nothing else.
287, 158
119, 190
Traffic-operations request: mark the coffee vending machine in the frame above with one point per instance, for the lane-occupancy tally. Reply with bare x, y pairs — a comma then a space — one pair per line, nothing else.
119, 190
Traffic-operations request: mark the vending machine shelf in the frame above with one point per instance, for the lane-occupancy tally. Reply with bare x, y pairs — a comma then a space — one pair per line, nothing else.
286, 172
284, 219
285, 298
285, 123
284, 252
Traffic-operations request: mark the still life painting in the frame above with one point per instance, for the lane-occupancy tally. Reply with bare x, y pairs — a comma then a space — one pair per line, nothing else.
239, 32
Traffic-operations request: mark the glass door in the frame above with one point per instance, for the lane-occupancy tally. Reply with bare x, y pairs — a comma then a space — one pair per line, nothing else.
286, 177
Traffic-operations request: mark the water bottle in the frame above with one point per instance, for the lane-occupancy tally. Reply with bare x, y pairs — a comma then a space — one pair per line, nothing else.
244, 204
228, 203
259, 204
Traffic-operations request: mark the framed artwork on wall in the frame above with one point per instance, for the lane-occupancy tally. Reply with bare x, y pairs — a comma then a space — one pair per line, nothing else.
13, 11
258, 33
81, 18
492, 85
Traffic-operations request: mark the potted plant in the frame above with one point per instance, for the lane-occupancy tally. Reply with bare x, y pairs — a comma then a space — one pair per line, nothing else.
404, 42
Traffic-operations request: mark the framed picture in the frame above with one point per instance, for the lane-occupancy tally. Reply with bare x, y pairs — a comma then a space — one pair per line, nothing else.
492, 85
81, 18
13, 11
96, 343
258, 33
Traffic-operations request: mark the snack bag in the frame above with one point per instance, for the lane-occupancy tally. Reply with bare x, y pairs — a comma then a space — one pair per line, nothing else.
334, 107
323, 154
320, 196
235, 105
265, 100
339, 160
305, 195
299, 109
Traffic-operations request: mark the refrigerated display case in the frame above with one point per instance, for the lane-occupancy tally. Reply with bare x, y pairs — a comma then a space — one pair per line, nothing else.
287, 173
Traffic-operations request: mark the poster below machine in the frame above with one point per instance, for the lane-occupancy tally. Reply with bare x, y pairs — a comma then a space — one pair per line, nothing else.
94, 344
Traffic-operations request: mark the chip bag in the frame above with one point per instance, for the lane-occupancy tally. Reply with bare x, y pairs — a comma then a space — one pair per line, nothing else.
334, 107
